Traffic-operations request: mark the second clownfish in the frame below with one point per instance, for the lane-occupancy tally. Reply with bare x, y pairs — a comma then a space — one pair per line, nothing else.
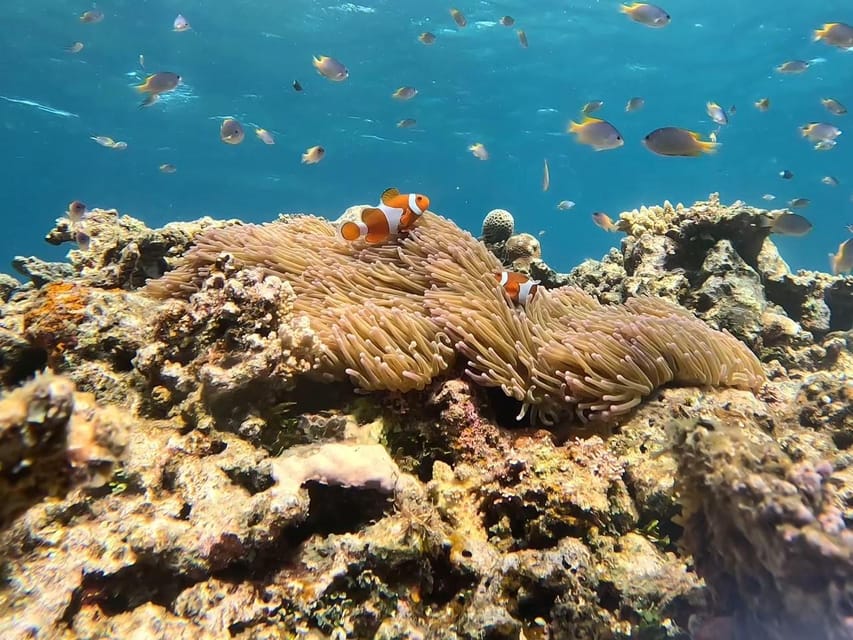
395, 212
518, 287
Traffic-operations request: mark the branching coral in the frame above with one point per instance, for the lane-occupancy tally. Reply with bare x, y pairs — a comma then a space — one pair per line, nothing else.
386, 317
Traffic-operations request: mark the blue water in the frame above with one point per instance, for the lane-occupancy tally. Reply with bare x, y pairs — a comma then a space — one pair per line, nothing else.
475, 85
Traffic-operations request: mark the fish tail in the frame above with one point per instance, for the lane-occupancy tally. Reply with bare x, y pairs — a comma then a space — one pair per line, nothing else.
352, 231
708, 146
574, 127
833, 264
821, 33
625, 8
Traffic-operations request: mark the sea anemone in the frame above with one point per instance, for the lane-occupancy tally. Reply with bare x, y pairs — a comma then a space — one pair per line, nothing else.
393, 317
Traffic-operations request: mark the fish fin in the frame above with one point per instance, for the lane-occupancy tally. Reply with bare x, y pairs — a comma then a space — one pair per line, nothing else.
407, 219
377, 225
373, 216
388, 194
627, 8
142, 88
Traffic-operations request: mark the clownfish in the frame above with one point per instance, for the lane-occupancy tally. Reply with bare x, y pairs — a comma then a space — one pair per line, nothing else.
395, 212
518, 287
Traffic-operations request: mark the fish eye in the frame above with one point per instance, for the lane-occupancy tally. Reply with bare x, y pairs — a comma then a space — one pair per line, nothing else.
618, 137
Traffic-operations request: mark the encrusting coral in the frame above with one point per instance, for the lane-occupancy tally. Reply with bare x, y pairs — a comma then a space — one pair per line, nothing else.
389, 317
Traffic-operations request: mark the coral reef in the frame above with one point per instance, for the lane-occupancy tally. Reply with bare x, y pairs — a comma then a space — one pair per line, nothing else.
52, 438
437, 287
199, 465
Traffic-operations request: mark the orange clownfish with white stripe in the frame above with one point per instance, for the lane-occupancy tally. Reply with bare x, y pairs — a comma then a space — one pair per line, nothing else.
395, 212
518, 287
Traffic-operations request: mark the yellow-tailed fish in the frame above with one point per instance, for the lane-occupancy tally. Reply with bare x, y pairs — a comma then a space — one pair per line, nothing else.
479, 150
836, 34
104, 141
604, 221
842, 260
677, 142
427, 37
264, 136
817, 131
762, 104
313, 155
156, 84
404, 93
522, 38
330, 68
458, 18
507, 21
598, 134
647, 14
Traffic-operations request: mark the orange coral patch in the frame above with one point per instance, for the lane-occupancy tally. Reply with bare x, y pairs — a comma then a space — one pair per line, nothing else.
51, 323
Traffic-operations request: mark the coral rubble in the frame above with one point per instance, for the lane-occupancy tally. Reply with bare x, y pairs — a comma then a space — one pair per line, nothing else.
196, 462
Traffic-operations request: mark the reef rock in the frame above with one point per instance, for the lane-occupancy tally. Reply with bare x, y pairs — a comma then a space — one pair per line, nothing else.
200, 466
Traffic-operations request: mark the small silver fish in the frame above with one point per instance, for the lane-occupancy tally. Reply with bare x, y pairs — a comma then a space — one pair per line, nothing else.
831, 181
789, 224
793, 66
799, 203
405, 93
634, 104
833, 106
817, 131
716, 113
565, 205
591, 107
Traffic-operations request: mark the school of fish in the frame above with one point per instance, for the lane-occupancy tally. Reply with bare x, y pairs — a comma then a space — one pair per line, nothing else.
396, 212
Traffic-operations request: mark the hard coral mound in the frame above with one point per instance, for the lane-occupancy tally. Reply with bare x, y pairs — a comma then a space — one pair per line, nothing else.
386, 317
768, 532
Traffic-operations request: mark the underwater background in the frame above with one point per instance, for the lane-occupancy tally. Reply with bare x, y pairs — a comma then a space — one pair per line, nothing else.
475, 84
